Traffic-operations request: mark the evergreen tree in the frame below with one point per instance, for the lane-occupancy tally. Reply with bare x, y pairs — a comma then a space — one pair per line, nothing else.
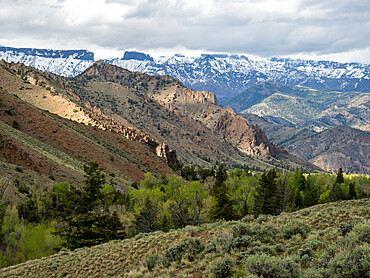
147, 219
339, 179
352, 191
267, 193
92, 194
82, 227
224, 205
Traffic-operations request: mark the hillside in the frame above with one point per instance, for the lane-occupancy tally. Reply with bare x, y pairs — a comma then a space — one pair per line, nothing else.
305, 107
337, 147
38, 146
328, 240
130, 103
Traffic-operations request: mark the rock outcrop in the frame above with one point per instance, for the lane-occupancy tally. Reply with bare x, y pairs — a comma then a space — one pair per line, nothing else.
164, 151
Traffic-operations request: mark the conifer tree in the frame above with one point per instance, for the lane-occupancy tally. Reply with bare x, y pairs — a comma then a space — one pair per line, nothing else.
267, 193
339, 179
352, 191
224, 205
147, 219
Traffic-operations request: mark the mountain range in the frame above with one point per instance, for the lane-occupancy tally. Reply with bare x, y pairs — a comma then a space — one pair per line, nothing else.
225, 75
106, 103
246, 86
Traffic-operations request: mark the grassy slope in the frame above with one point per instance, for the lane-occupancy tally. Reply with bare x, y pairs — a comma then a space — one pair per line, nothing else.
267, 234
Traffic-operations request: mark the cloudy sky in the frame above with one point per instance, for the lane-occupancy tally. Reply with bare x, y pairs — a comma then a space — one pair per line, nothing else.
329, 29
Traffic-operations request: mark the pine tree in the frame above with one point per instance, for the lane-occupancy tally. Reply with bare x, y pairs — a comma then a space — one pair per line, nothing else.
92, 193
352, 191
147, 219
267, 193
224, 205
339, 179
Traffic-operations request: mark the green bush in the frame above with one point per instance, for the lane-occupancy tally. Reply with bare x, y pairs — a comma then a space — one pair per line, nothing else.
266, 266
223, 268
239, 243
295, 228
354, 263
362, 231
345, 228
189, 247
151, 261
242, 230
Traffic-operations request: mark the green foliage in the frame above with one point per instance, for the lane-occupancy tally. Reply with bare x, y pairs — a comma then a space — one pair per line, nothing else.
339, 179
189, 247
223, 268
295, 228
267, 193
151, 261
267, 266
223, 207
26, 241
149, 181
355, 263
91, 229
146, 220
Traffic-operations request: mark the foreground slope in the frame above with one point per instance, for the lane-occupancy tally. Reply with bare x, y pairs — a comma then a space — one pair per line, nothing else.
329, 240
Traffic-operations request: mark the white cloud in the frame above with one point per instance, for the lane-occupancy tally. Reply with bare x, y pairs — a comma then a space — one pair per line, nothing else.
331, 28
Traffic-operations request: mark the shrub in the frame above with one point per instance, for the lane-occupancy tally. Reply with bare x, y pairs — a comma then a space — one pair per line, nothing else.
211, 248
15, 124
151, 261
247, 218
190, 247
223, 268
351, 264
362, 231
295, 228
237, 243
242, 230
262, 218
266, 266
345, 228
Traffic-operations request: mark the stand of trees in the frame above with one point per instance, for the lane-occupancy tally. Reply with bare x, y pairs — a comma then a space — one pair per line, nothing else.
66, 216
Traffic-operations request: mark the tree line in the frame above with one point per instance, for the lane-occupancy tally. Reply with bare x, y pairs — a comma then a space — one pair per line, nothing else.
71, 217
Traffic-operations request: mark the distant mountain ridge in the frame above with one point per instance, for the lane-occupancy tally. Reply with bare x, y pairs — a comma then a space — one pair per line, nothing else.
304, 107
225, 75
336, 147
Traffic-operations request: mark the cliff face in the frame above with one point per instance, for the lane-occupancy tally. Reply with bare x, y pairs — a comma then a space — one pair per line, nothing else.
202, 106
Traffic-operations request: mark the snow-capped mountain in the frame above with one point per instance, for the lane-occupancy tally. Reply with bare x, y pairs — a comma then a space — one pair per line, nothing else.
226, 75
61, 62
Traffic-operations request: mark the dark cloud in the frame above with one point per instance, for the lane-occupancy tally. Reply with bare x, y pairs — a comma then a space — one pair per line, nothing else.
263, 28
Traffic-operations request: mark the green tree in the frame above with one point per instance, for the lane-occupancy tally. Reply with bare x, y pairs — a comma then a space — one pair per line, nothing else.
146, 220
83, 227
352, 191
223, 207
339, 179
92, 193
90, 229
267, 193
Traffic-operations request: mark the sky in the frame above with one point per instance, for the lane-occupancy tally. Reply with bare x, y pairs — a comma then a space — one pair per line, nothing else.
315, 29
